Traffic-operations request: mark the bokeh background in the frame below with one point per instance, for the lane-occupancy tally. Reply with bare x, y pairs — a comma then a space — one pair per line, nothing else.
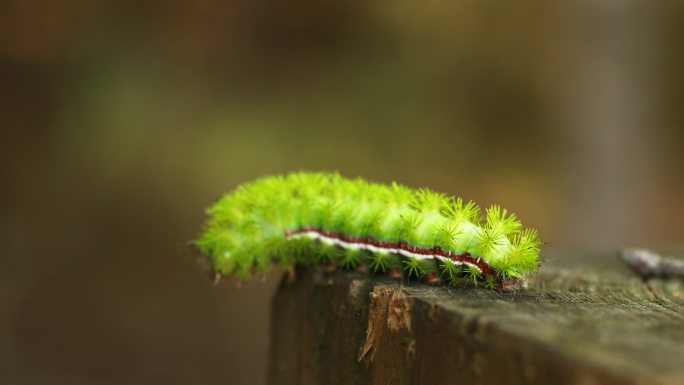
122, 120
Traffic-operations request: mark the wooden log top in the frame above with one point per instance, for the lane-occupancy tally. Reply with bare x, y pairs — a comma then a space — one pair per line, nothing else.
582, 319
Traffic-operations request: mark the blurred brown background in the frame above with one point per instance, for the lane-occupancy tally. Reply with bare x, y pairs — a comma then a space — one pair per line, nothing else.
122, 120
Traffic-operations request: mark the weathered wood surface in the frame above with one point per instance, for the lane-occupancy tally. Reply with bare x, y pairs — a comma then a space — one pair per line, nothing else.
582, 320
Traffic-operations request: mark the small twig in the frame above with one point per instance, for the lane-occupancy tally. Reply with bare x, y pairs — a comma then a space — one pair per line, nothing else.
649, 264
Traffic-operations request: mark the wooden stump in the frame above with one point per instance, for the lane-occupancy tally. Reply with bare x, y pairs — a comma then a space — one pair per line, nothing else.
582, 320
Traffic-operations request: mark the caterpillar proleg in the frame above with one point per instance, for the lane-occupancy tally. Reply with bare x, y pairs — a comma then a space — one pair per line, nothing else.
314, 219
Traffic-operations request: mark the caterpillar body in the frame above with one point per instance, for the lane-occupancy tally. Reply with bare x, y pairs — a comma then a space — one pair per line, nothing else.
314, 219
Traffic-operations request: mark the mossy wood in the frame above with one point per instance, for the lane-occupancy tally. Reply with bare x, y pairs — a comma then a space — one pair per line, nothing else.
584, 319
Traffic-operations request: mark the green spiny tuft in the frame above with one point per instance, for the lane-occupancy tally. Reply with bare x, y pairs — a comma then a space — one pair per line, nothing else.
445, 236
473, 273
413, 267
379, 262
449, 270
351, 258
427, 200
499, 220
456, 209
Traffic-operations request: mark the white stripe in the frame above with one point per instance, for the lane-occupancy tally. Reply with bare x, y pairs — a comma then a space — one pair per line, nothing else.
373, 248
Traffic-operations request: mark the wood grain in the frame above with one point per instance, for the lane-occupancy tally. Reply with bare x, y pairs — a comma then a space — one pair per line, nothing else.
583, 319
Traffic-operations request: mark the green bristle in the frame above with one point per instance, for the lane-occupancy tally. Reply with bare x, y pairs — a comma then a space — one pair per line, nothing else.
351, 258
449, 270
456, 209
379, 262
445, 236
407, 226
473, 274
413, 268
499, 220
326, 252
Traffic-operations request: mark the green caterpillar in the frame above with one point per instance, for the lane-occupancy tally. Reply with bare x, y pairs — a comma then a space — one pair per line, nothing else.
315, 219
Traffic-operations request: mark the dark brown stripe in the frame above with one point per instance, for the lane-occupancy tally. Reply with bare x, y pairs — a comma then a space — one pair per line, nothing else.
485, 268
